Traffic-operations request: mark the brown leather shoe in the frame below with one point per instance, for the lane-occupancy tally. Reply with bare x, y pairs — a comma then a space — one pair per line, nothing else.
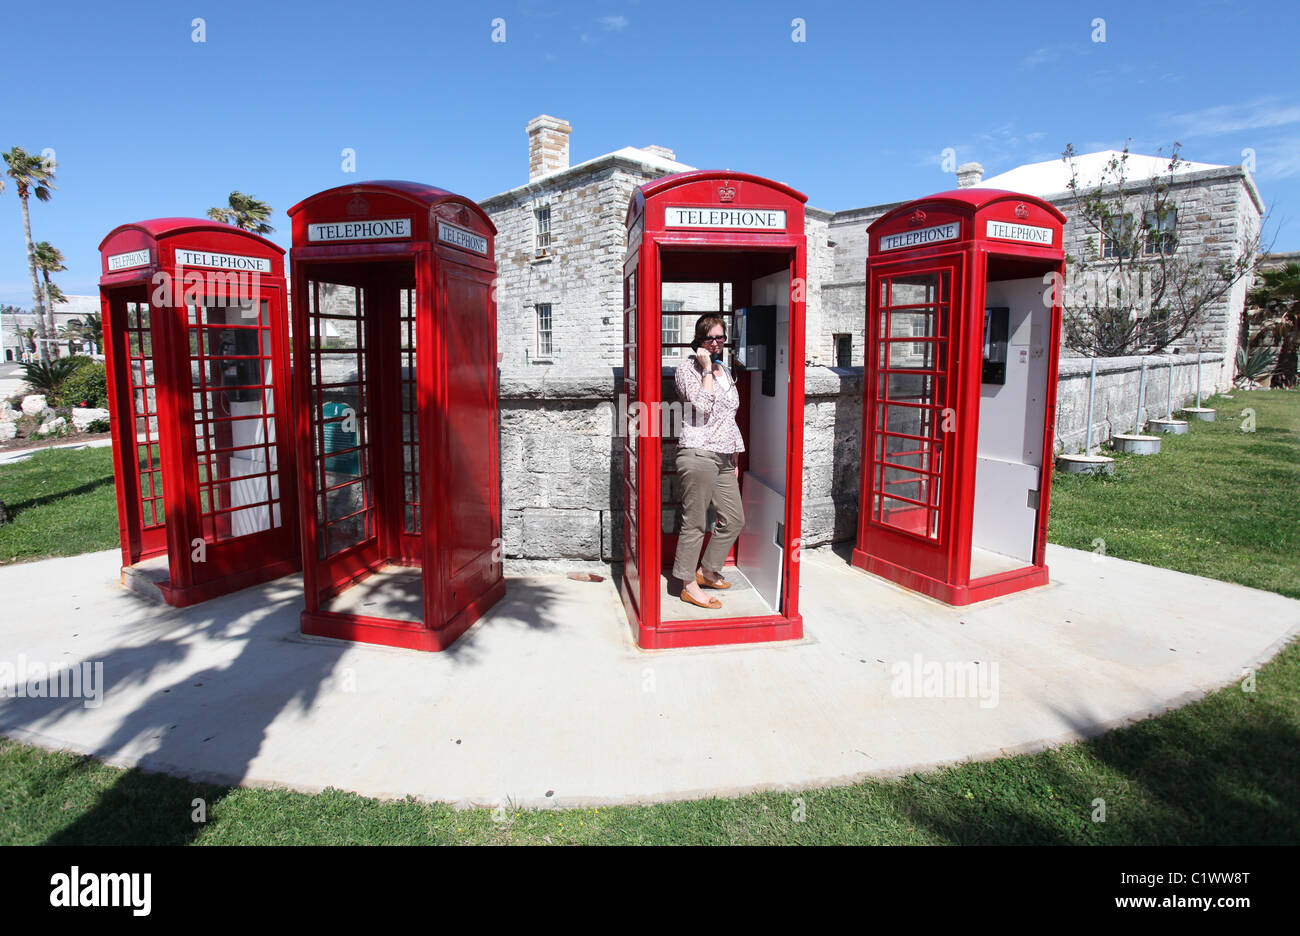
713, 605
701, 581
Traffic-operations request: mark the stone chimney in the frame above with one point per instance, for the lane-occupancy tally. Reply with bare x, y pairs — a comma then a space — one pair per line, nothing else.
548, 145
969, 175
662, 151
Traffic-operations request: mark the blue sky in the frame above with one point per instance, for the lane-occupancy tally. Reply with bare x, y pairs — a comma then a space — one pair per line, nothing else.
145, 122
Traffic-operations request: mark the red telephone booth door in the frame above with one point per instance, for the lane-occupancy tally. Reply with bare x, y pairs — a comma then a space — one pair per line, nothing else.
911, 419
633, 566
238, 411
144, 527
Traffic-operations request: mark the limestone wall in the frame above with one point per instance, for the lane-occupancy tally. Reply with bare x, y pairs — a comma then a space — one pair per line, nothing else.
561, 471
1115, 399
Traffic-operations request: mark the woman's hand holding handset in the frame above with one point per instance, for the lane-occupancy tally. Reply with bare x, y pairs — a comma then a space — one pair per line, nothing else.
705, 360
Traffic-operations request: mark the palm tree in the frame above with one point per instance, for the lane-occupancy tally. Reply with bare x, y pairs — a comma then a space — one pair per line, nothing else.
26, 339
49, 259
1273, 308
87, 328
245, 212
32, 175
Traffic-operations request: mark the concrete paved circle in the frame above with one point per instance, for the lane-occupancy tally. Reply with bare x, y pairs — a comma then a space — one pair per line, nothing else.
547, 702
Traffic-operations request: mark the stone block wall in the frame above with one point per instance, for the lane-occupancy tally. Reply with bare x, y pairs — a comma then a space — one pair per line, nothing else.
561, 477
561, 463
832, 454
562, 471
1115, 399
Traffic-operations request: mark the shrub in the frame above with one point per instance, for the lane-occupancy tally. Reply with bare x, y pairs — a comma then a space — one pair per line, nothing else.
98, 425
87, 385
48, 379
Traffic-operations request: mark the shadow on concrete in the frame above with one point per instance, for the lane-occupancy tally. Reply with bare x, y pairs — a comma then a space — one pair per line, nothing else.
230, 705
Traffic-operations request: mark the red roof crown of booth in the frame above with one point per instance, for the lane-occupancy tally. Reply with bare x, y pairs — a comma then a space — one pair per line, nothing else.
718, 187
370, 201
1010, 209
160, 228
132, 250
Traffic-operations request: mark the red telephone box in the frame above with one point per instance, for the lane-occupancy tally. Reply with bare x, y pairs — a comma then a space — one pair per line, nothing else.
963, 324
196, 353
731, 244
394, 322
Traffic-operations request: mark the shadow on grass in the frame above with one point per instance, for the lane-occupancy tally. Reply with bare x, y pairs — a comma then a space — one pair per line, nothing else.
16, 509
1208, 774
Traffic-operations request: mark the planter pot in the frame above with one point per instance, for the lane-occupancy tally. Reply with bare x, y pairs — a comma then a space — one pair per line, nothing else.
1085, 464
1170, 426
1203, 413
1137, 444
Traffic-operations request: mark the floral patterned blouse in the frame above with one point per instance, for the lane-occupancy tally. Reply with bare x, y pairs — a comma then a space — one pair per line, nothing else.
708, 419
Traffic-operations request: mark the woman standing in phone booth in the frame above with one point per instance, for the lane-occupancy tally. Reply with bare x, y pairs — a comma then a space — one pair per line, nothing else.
706, 464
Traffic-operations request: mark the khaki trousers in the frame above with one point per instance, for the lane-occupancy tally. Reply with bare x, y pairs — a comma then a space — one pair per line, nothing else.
706, 478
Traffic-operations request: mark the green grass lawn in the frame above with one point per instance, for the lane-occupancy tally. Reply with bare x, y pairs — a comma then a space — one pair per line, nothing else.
1217, 502
62, 503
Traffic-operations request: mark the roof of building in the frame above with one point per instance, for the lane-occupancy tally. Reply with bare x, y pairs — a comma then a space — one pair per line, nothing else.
976, 198
1053, 176
628, 154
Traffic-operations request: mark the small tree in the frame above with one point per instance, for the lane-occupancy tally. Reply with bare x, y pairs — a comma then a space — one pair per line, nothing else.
1137, 289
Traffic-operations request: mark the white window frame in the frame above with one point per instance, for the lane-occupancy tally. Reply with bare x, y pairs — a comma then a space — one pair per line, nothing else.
1161, 237
542, 230
545, 312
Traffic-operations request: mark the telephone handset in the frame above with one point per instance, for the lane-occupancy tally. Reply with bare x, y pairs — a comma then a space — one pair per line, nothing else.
695, 346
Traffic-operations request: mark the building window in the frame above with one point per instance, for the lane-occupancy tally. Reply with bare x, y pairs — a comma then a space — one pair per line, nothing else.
542, 217
544, 345
1161, 231
670, 323
1116, 237
843, 350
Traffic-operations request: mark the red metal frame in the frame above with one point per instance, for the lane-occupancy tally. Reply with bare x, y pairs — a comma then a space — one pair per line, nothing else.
162, 282
704, 254
936, 559
419, 262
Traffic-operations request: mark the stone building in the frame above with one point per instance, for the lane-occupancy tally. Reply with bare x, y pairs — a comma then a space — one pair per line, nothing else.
11, 325
559, 251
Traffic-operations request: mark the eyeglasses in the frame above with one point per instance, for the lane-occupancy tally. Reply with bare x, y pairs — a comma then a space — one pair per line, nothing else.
722, 337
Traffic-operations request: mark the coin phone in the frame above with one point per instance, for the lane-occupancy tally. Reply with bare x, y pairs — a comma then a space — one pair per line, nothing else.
995, 345
235, 364
756, 343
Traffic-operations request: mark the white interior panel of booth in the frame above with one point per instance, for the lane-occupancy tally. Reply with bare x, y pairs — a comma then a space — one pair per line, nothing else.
1009, 456
758, 553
